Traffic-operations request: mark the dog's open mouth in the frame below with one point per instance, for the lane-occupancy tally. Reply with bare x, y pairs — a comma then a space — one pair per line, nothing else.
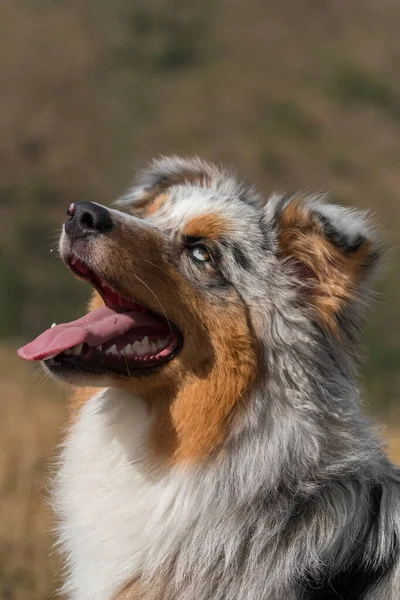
122, 336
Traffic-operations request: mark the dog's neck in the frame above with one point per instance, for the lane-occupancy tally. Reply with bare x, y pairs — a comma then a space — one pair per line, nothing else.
121, 518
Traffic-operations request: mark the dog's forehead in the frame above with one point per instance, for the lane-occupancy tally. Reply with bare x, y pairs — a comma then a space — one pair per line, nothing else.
187, 208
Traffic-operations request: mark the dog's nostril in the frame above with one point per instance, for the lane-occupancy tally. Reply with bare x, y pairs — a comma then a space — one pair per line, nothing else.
88, 217
87, 221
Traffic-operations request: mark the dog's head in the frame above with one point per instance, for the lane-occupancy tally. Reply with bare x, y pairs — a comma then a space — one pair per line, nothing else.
188, 278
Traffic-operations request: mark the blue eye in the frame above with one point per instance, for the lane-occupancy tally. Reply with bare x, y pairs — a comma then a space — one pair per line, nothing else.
200, 253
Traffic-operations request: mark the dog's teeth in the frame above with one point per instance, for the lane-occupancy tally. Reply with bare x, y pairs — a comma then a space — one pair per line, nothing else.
162, 343
153, 347
54, 324
112, 350
99, 347
76, 350
137, 348
128, 349
146, 345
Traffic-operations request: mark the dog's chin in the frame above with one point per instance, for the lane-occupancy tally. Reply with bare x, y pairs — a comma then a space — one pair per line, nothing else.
77, 378
98, 369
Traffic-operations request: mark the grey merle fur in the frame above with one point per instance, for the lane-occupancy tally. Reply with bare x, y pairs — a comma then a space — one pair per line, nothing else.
304, 504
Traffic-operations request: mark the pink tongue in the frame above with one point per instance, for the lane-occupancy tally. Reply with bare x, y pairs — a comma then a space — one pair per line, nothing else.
97, 327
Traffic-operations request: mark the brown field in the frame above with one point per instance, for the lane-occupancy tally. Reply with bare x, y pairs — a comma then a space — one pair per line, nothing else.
33, 413
393, 440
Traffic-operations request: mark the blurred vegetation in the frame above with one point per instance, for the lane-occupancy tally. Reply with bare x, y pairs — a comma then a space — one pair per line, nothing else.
294, 94
30, 425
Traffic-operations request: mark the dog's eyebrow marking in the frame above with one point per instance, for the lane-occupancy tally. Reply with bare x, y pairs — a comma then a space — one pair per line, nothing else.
209, 225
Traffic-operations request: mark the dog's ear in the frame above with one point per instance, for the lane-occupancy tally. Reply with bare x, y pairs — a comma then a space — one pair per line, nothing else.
331, 250
161, 175
152, 185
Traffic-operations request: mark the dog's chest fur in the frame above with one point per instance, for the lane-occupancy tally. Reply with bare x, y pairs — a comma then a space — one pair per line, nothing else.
106, 501
119, 521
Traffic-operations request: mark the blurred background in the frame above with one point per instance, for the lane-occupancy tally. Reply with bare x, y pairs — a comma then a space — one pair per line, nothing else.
293, 94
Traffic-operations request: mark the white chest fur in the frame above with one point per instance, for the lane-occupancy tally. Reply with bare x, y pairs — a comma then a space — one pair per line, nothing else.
106, 503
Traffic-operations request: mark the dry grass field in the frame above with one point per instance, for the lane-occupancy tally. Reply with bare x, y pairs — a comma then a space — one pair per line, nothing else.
32, 417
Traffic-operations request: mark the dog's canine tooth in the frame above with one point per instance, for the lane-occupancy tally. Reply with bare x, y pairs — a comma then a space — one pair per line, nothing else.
54, 324
153, 347
76, 350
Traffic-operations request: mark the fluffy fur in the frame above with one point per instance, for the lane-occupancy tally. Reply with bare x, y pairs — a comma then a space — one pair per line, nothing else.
294, 499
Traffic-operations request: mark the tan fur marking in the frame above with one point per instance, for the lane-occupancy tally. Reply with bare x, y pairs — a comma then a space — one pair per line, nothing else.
202, 409
212, 226
156, 204
337, 273
192, 418
78, 399
130, 592
161, 589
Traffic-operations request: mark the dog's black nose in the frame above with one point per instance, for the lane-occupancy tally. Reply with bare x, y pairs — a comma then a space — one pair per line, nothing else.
87, 217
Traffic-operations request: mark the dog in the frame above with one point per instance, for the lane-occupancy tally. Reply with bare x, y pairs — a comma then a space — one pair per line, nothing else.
216, 448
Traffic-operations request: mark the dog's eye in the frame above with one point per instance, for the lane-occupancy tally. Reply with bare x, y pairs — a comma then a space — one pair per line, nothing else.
200, 253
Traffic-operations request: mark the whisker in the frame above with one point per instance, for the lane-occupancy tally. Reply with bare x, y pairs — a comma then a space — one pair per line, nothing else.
56, 234
126, 364
41, 377
154, 265
158, 300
